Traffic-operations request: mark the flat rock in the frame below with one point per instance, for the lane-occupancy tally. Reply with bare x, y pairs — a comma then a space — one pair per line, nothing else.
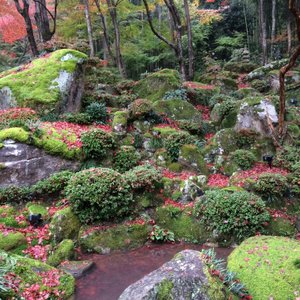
76, 268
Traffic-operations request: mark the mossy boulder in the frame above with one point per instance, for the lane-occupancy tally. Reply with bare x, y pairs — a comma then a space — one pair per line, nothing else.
178, 110
33, 272
50, 82
64, 251
14, 133
64, 225
119, 124
103, 240
267, 266
281, 227
36, 208
184, 226
8, 216
191, 158
11, 240
184, 277
155, 85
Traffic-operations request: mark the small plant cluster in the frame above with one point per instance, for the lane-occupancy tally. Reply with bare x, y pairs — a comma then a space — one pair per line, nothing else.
160, 235
99, 194
54, 185
96, 143
13, 116
176, 94
243, 158
240, 214
217, 267
97, 112
288, 157
125, 159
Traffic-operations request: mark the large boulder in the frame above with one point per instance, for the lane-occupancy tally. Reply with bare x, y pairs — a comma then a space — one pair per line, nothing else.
54, 81
24, 165
257, 116
268, 267
184, 277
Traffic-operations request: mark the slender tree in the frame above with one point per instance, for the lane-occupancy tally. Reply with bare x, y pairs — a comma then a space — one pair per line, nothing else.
89, 27
294, 9
273, 30
24, 12
263, 31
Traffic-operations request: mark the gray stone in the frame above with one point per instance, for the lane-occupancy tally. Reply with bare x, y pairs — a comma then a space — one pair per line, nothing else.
76, 268
182, 278
7, 98
256, 118
24, 165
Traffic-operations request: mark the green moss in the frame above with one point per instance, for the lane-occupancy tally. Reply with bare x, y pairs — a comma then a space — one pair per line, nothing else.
64, 251
64, 225
34, 208
175, 167
165, 131
164, 290
121, 237
281, 227
1, 145
191, 155
14, 133
266, 266
11, 240
33, 84
120, 118
155, 85
8, 217
184, 226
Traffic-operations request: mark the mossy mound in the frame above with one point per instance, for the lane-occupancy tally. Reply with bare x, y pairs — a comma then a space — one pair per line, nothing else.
121, 237
267, 267
184, 226
33, 272
177, 109
281, 227
8, 216
155, 85
15, 133
63, 251
39, 83
12, 240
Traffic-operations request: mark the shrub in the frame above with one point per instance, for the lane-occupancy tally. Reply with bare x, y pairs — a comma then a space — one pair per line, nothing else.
218, 98
241, 214
79, 118
243, 158
161, 235
176, 94
97, 112
55, 184
140, 108
13, 115
99, 194
15, 194
294, 182
125, 159
96, 143
174, 142
271, 187
142, 177
288, 157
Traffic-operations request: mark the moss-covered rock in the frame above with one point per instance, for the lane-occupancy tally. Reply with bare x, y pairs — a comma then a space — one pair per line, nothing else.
155, 85
36, 208
120, 237
64, 225
15, 133
184, 226
33, 272
178, 110
119, 124
267, 266
281, 227
63, 251
42, 83
12, 240
191, 157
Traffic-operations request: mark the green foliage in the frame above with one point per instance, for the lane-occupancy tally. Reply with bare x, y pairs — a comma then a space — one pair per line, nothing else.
14, 194
125, 159
266, 266
78, 118
142, 177
240, 214
7, 264
96, 143
97, 112
176, 94
288, 157
294, 181
140, 108
98, 195
271, 187
175, 141
243, 158
64, 251
218, 98
15, 133
161, 235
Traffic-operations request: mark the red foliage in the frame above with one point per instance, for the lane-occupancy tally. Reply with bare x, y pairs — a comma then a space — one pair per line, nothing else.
241, 82
17, 114
172, 175
208, 136
173, 203
204, 111
218, 180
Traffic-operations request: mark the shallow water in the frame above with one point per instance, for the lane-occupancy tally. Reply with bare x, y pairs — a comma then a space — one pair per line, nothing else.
113, 273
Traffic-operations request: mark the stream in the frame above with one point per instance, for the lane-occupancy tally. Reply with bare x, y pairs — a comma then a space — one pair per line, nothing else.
114, 272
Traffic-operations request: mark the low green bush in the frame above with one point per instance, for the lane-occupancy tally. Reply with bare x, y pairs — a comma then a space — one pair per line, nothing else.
97, 112
161, 235
240, 214
99, 194
288, 157
243, 158
125, 159
96, 143
14, 194
79, 118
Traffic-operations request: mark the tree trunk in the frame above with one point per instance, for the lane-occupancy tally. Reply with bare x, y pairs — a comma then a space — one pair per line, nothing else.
289, 35
263, 32
42, 20
89, 27
119, 60
190, 40
273, 30
296, 13
24, 12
